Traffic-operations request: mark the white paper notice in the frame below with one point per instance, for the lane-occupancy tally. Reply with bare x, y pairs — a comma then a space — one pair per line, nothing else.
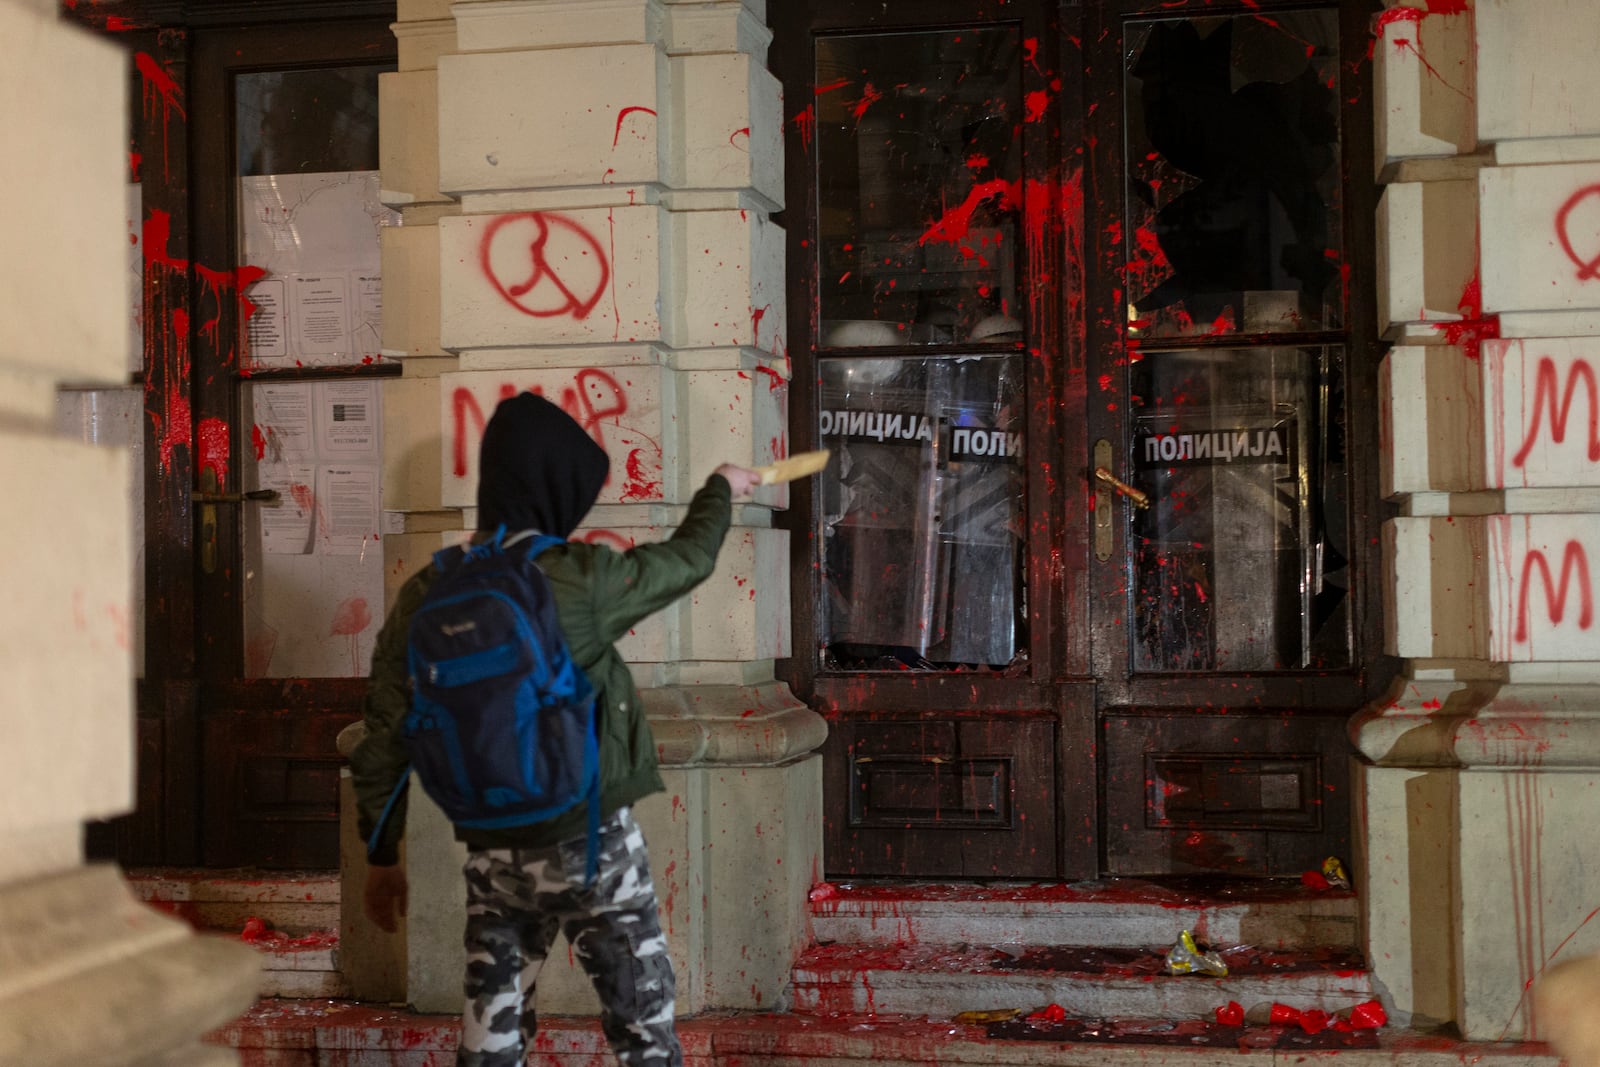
282, 427
316, 236
321, 309
347, 510
286, 526
347, 420
269, 324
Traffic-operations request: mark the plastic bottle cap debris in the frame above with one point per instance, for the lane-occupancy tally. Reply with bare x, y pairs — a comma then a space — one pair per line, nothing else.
1230, 1014
1050, 1013
1333, 871
1186, 958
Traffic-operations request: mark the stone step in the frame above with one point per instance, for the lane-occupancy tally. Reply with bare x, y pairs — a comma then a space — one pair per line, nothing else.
291, 919
1113, 913
1106, 983
293, 902
309, 1033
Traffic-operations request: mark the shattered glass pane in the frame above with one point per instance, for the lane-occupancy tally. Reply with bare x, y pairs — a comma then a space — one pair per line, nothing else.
922, 513
1233, 169
1241, 561
919, 167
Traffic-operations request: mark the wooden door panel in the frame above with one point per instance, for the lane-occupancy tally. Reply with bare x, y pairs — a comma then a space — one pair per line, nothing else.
272, 788
938, 796
1255, 795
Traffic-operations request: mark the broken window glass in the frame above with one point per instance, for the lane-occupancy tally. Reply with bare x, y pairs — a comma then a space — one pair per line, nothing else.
919, 168
1240, 563
1232, 160
922, 519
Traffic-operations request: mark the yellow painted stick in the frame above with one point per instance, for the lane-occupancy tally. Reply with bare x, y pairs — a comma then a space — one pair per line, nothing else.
796, 466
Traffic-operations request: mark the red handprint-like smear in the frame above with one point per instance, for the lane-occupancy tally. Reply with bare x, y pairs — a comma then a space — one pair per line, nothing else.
544, 264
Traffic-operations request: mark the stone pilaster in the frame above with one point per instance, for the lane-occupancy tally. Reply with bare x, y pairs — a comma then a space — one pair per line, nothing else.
87, 973
591, 220
1477, 842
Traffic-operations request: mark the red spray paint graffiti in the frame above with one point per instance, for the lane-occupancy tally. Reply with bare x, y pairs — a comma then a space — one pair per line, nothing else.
1545, 388
623, 114
560, 264
1588, 263
1574, 561
593, 397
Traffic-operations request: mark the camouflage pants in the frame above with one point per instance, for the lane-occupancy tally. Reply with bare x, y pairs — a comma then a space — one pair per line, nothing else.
516, 901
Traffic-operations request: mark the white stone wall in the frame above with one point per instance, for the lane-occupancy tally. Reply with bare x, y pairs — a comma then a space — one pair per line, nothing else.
74, 943
1478, 851
586, 192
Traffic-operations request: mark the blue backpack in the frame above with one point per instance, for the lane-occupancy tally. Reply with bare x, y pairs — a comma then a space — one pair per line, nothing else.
502, 726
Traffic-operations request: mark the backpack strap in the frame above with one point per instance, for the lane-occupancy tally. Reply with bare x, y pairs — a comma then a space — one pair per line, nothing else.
388, 809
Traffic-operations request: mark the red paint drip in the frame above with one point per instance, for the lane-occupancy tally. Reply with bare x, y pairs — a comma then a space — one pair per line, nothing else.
1030, 53
805, 121
624, 113
831, 86
258, 440
134, 159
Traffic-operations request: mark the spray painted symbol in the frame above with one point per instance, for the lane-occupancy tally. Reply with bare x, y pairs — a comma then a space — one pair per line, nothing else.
544, 264
1587, 268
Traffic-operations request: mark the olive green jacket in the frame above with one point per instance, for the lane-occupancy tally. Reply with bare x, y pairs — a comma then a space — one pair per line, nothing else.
600, 594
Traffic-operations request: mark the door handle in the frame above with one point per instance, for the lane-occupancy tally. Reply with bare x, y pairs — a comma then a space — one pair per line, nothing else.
208, 496
1107, 485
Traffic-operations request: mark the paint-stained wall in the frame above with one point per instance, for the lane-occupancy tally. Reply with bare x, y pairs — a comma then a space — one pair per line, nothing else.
1492, 456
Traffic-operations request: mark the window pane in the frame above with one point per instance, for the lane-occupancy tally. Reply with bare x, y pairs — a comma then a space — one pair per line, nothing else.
1241, 561
313, 583
922, 513
919, 161
1232, 159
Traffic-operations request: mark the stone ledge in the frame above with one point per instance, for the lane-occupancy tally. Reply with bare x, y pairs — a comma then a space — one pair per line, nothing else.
1479, 724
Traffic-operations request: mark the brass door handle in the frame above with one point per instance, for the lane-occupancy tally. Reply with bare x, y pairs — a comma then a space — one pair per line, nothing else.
208, 496
1106, 485
1137, 497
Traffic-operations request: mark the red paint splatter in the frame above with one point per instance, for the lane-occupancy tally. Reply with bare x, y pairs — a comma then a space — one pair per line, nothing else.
744, 132
623, 114
214, 446
1396, 15
351, 617
640, 486
134, 159
954, 225
1030, 53
1034, 105
302, 496
1474, 327
160, 90
118, 24
259, 441
805, 121
830, 87
869, 96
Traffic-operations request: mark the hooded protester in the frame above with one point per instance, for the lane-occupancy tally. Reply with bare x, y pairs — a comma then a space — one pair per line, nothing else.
540, 471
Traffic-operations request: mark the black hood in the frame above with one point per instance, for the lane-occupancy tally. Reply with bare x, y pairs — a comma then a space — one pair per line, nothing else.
537, 468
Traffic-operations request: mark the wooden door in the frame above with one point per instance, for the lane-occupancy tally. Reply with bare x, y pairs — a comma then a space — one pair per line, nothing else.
237, 764
1232, 333
1147, 219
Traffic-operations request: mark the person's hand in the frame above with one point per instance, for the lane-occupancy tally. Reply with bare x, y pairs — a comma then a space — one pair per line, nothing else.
385, 898
742, 480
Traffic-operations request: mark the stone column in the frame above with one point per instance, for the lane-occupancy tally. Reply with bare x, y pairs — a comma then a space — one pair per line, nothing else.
87, 973
1481, 767
586, 192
